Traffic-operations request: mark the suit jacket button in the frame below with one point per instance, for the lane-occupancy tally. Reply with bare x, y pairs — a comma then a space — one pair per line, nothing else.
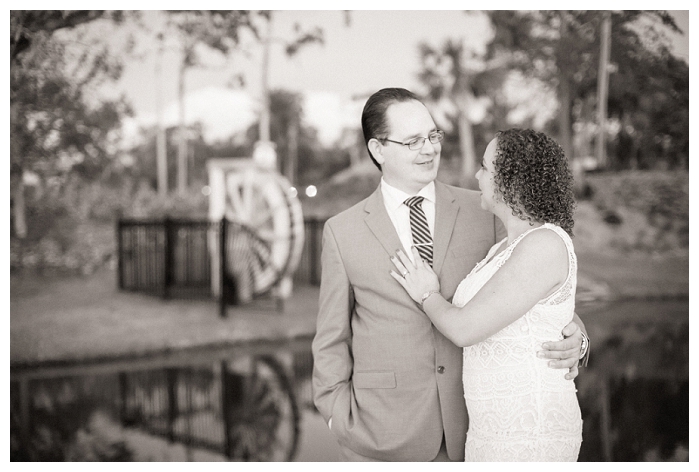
440, 369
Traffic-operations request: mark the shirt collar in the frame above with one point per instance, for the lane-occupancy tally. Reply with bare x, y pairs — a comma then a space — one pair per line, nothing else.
394, 197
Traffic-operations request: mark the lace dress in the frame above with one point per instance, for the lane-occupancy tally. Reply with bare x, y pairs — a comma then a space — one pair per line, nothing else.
519, 408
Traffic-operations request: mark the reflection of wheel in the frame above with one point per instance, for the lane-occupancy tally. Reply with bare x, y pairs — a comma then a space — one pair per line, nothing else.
263, 416
269, 248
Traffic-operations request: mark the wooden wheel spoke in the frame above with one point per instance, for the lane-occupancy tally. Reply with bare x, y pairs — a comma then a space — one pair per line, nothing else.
267, 236
234, 197
262, 219
248, 197
260, 202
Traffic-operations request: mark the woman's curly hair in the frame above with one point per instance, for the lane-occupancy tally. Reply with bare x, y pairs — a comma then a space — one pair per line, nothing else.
532, 175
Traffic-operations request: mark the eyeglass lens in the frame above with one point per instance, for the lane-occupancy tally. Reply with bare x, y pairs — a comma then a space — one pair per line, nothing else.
417, 143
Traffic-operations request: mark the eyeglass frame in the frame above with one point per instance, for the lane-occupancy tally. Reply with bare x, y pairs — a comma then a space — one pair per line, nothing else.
439, 133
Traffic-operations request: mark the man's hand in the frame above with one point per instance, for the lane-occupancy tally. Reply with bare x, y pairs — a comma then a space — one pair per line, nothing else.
565, 354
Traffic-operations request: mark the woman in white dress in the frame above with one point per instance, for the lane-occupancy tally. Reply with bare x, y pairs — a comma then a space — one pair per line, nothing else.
521, 295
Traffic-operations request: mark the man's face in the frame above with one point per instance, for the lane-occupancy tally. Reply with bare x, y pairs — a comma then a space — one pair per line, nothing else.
402, 168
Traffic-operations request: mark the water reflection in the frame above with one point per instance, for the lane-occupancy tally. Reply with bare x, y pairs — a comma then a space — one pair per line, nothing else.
238, 407
634, 395
248, 403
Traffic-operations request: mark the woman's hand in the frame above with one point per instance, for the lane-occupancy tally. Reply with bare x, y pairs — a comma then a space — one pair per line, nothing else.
417, 279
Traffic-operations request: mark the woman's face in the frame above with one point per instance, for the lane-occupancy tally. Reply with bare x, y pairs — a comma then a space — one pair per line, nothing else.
485, 177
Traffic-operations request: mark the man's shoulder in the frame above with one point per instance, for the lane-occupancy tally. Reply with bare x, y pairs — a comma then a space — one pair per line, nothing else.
348, 215
462, 195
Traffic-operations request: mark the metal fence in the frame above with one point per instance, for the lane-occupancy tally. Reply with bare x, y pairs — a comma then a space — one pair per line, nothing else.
172, 257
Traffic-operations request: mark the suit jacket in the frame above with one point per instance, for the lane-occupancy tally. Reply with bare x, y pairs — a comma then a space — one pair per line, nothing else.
390, 381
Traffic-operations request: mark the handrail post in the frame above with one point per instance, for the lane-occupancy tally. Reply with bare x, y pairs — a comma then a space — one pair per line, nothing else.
313, 248
172, 406
222, 267
168, 256
120, 254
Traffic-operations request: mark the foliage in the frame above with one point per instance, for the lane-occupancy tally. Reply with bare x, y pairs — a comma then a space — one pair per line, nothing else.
72, 420
59, 133
447, 76
649, 88
26, 26
54, 127
223, 30
71, 224
298, 143
218, 30
637, 211
351, 185
101, 440
649, 98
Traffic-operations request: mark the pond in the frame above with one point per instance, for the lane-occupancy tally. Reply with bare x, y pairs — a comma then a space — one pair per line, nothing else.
230, 403
248, 402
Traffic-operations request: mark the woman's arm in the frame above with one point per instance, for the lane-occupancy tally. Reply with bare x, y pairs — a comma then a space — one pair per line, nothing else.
534, 270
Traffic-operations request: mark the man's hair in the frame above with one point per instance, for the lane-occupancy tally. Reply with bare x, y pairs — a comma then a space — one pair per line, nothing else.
374, 114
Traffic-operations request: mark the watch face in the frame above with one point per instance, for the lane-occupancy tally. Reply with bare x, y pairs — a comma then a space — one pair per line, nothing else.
583, 346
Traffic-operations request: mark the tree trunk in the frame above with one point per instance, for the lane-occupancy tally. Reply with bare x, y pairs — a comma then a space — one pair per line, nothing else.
264, 115
565, 138
356, 151
468, 153
602, 91
18, 206
564, 94
292, 152
181, 135
160, 143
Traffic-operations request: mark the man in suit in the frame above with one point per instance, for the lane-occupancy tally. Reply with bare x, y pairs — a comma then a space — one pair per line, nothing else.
385, 380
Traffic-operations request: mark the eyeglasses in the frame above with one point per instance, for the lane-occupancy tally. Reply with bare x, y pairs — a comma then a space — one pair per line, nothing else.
417, 143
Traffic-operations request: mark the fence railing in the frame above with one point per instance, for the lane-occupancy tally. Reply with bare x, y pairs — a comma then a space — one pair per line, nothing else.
172, 257
166, 257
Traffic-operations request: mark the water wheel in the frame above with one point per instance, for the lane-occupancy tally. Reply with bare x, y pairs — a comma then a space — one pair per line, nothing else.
265, 242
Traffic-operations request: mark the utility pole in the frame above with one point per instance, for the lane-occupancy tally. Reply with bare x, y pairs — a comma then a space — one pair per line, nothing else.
264, 152
160, 143
182, 160
603, 90
264, 117
564, 89
181, 133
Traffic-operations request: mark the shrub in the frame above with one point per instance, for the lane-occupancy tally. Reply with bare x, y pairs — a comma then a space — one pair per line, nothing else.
653, 204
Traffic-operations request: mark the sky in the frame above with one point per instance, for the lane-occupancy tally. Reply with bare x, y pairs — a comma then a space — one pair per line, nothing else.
376, 49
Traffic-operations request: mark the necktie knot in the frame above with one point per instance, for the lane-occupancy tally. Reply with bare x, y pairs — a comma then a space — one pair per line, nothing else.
414, 202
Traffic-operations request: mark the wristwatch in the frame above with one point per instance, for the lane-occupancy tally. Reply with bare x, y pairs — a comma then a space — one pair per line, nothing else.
584, 351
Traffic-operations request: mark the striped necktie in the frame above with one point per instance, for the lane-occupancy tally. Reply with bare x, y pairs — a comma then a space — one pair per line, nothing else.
422, 239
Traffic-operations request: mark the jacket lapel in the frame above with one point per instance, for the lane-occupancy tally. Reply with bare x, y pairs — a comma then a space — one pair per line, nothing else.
445, 218
380, 223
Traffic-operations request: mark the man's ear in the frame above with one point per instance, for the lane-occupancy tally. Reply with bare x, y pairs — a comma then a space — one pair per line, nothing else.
376, 150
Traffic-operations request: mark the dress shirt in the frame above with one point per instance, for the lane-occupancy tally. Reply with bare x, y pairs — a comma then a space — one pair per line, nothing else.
400, 213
